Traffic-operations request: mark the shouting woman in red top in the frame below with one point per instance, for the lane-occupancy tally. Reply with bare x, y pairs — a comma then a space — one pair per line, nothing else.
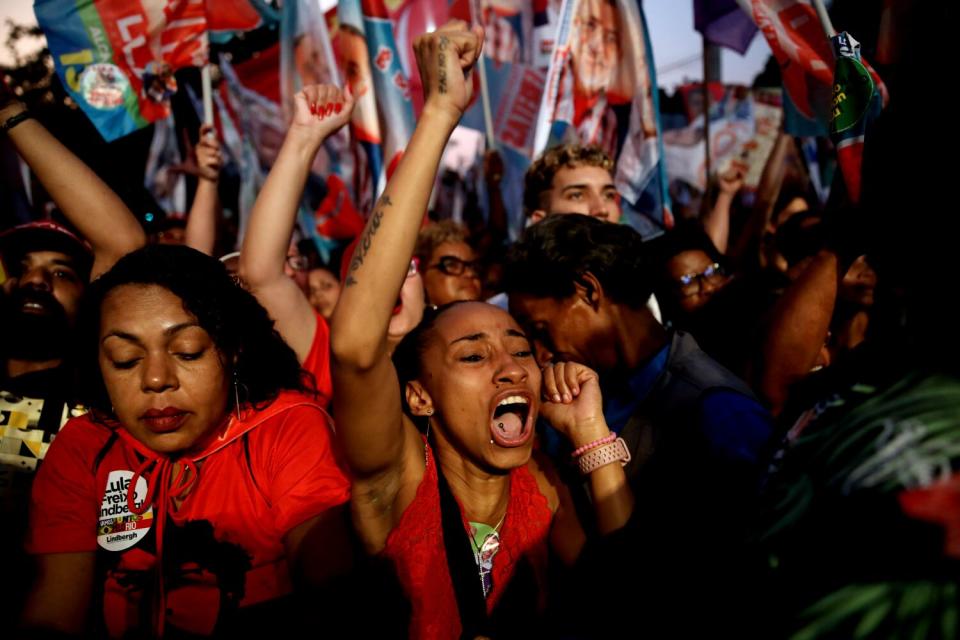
181, 502
466, 519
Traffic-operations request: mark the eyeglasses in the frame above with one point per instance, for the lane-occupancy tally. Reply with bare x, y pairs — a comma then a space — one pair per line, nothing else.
414, 267
692, 283
298, 263
454, 266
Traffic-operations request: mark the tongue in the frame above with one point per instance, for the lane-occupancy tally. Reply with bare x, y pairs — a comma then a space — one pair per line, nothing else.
511, 426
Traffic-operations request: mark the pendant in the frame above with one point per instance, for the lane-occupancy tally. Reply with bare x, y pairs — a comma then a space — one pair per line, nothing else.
485, 554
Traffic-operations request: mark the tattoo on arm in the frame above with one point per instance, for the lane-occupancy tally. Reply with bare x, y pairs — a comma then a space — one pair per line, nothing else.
364, 245
442, 60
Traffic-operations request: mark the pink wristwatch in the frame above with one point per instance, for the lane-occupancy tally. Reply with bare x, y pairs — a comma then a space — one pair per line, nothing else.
616, 451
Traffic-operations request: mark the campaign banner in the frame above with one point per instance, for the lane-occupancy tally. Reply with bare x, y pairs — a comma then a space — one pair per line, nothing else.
798, 42
116, 58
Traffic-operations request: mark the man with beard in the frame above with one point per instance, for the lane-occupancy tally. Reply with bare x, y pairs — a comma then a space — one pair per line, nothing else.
47, 267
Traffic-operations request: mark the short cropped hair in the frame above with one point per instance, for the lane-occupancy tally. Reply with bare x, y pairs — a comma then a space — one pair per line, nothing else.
539, 177
554, 254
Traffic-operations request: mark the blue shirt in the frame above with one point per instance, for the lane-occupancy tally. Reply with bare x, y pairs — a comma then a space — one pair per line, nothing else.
619, 407
736, 427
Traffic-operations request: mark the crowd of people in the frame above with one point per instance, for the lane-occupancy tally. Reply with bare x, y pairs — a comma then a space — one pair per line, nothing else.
749, 425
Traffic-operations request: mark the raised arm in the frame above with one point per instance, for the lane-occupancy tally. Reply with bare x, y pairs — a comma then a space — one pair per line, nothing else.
319, 110
201, 232
770, 181
574, 407
88, 203
716, 222
370, 423
798, 328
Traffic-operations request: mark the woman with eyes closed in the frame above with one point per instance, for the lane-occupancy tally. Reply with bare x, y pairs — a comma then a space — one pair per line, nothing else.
180, 504
439, 439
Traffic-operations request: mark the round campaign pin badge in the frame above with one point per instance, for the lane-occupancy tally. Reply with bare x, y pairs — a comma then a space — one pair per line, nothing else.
103, 86
118, 528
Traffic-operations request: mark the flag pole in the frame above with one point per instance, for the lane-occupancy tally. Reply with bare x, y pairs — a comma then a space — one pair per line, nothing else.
711, 73
825, 21
207, 87
706, 112
485, 98
475, 10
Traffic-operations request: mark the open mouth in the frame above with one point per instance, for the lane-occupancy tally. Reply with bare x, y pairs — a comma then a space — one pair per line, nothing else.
510, 424
34, 307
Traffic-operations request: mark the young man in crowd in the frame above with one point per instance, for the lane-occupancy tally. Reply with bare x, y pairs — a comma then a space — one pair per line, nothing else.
571, 179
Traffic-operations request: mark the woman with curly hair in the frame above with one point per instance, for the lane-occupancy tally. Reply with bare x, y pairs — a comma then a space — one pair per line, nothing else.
182, 500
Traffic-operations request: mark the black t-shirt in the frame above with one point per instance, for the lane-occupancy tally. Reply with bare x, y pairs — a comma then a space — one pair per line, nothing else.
33, 407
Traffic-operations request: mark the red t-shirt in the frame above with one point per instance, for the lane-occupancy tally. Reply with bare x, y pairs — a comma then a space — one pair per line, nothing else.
317, 361
222, 547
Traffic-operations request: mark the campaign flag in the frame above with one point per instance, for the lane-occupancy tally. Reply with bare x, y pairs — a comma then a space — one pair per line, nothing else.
796, 37
724, 23
167, 186
226, 18
856, 102
252, 125
391, 85
116, 58
743, 127
366, 141
514, 85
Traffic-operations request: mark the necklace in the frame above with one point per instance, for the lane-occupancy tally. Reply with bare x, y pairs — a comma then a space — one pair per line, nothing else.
486, 542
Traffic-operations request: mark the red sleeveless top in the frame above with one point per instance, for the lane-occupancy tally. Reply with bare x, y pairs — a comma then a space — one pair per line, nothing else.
415, 546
